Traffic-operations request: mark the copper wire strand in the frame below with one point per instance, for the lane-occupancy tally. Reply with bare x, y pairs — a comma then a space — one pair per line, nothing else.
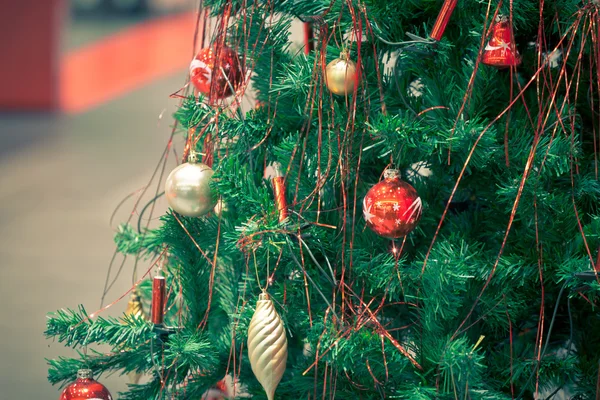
160, 165
470, 155
513, 212
469, 90
101, 310
527, 168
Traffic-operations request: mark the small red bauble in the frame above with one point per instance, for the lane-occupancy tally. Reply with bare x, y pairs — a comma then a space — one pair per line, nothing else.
392, 208
501, 52
216, 72
85, 387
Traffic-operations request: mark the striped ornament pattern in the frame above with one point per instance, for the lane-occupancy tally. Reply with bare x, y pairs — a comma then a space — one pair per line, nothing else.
267, 345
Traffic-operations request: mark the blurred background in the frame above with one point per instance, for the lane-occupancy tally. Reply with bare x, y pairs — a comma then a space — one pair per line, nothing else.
85, 114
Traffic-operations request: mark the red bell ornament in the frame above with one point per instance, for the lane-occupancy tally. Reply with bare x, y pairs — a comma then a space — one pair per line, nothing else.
501, 51
216, 74
85, 387
392, 208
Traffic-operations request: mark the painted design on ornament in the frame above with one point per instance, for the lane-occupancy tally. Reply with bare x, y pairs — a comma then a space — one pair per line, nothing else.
204, 69
415, 209
367, 210
501, 45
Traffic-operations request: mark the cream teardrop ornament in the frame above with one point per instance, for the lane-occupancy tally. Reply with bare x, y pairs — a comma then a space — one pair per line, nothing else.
267, 345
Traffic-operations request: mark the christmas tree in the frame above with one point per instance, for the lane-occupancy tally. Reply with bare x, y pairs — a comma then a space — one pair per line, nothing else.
410, 211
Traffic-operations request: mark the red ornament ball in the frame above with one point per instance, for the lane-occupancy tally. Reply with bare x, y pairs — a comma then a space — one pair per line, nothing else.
392, 208
85, 387
214, 72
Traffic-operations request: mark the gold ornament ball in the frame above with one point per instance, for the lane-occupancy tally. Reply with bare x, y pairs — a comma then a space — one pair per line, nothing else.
188, 189
267, 345
340, 76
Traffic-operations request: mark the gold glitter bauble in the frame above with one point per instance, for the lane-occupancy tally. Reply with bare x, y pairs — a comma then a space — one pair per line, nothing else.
267, 345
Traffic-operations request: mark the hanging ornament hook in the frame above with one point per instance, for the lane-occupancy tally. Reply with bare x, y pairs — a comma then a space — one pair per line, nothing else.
193, 157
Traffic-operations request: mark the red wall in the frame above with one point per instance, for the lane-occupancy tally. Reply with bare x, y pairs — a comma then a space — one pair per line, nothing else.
29, 54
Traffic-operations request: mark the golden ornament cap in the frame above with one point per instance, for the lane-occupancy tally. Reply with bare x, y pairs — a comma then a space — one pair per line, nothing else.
267, 345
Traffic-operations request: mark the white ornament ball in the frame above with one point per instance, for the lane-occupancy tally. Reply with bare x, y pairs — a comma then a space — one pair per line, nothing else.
188, 189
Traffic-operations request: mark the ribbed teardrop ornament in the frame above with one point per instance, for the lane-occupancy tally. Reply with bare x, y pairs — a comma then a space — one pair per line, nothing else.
267, 345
